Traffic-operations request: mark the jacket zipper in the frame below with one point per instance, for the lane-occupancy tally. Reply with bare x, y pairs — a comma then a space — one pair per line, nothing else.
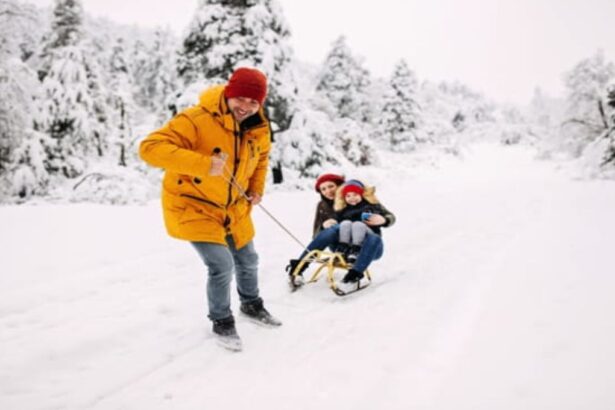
238, 134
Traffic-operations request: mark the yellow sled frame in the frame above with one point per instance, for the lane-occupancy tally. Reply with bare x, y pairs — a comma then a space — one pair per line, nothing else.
331, 261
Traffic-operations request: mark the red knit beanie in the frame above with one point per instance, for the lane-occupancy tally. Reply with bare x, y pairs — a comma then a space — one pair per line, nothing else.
247, 82
352, 188
336, 179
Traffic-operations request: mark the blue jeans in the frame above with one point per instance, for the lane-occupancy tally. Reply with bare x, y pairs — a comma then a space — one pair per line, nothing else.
221, 261
371, 250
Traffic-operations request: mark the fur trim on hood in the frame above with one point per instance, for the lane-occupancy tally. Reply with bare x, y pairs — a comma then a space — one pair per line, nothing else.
368, 195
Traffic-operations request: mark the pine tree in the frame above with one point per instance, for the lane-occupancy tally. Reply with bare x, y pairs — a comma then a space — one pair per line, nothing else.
20, 28
609, 155
610, 102
539, 109
210, 49
122, 103
586, 83
400, 119
226, 34
269, 48
22, 169
66, 30
345, 82
354, 142
73, 112
308, 146
154, 72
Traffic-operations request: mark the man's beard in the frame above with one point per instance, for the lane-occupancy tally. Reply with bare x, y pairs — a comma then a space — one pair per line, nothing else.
240, 117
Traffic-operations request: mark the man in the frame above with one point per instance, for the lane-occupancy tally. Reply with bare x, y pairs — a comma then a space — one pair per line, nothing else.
215, 157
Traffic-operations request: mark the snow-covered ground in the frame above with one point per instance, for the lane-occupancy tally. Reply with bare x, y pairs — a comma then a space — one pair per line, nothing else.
495, 292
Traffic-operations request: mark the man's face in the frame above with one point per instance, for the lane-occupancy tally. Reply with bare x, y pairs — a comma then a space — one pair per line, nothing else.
327, 189
243, 107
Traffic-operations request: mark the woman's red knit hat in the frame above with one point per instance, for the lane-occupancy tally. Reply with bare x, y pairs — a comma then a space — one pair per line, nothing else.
336, 179
247, 82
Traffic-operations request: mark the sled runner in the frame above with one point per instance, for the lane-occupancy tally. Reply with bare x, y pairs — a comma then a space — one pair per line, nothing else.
331, 261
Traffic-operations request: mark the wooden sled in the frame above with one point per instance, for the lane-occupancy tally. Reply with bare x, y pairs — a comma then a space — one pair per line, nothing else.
329, 261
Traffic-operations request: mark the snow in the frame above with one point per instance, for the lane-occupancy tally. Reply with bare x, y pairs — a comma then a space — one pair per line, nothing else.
494, 292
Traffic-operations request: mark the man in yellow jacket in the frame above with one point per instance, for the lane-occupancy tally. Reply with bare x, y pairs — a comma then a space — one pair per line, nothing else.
215, 156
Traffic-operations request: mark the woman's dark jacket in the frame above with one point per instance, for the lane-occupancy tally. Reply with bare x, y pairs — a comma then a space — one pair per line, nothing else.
324, 211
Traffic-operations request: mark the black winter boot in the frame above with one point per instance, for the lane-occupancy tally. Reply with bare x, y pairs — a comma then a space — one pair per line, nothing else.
226, 334
352, 276
342, 248
292, 264
257, 312
296, 280
353, 253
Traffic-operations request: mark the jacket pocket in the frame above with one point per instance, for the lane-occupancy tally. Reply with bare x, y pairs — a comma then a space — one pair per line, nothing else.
191, 214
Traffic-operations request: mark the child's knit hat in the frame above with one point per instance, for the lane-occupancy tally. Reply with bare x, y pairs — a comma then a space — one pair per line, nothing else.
353, 185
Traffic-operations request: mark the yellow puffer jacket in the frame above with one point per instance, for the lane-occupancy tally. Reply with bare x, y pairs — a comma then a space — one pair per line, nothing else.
197, 206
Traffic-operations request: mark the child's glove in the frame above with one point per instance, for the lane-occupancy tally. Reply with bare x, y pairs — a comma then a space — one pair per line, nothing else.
365, 216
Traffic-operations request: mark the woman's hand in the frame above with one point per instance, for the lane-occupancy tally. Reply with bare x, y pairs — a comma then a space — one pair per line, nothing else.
376, 220
329, 223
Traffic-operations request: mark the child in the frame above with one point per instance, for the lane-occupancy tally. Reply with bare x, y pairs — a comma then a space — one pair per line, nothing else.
358, 212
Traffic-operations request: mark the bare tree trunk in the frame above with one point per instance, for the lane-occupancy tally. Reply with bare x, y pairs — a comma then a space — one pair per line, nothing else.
603, 115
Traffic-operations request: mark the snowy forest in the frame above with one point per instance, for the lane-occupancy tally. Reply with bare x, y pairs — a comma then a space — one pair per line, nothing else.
77, 94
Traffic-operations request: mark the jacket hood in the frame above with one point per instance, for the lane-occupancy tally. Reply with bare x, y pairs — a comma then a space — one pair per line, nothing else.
212, 100
368, 196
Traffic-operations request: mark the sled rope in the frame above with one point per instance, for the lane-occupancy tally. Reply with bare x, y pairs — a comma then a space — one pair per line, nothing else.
233, 181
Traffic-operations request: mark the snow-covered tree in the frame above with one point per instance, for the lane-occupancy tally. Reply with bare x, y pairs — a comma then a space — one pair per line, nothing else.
154, 71
66, 30
354, 142
399, 118
210, 49
269, 44
67, 111
28, 175
586, 84
608, 158
21, 28
539, 109
344, 81
610, 103
72, 112
308, 146
22, 167
226, 34
121, 102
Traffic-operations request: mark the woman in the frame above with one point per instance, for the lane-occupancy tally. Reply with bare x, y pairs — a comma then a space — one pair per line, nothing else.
326, 185
372, 247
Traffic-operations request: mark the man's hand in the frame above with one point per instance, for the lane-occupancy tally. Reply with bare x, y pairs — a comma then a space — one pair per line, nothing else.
217, 165
254, 198
376, 220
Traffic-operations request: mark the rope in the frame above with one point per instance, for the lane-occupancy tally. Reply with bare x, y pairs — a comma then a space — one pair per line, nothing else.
233, 181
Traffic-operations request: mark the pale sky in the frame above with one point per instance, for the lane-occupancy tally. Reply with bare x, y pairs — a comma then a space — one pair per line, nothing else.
503, 48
